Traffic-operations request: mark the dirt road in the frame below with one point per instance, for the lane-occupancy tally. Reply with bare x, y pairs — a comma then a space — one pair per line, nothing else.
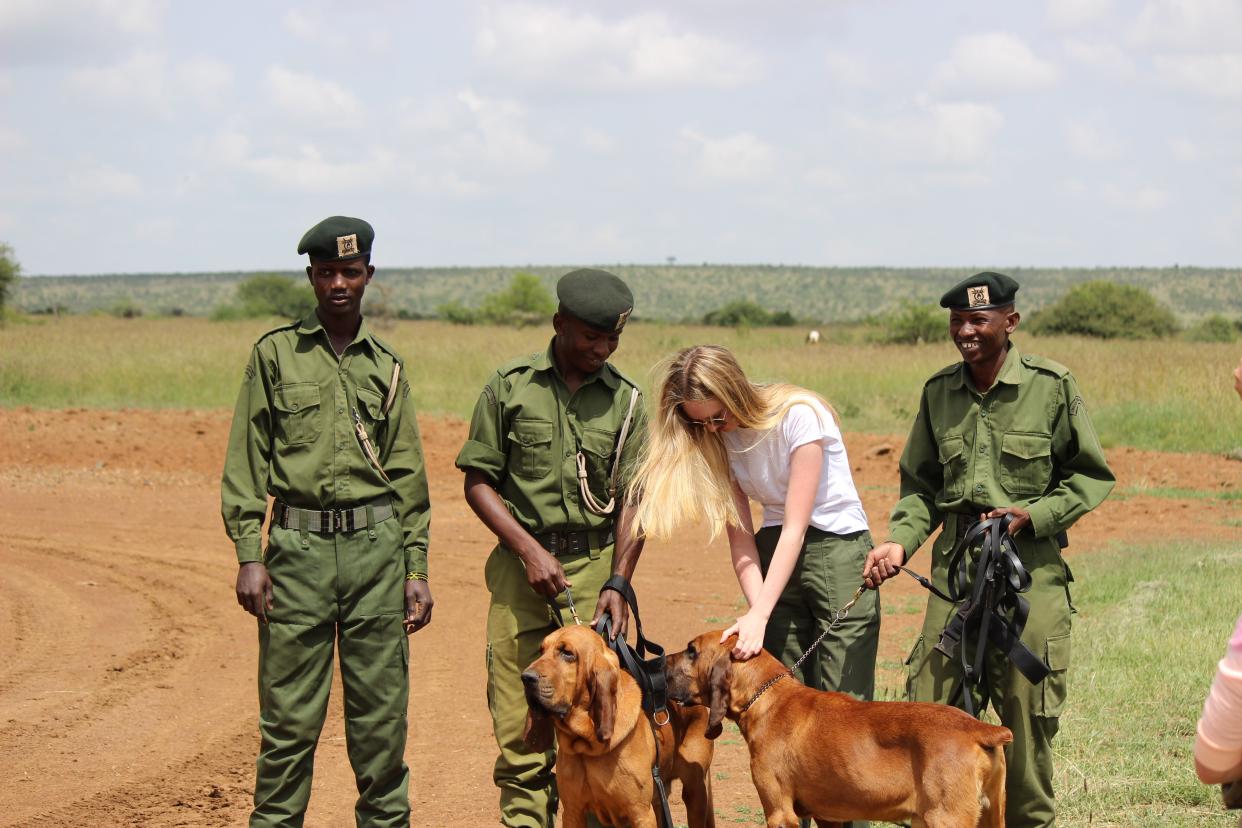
127, 690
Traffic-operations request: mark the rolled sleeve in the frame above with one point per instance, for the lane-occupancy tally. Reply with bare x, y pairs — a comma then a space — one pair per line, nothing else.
486, 444
485, 458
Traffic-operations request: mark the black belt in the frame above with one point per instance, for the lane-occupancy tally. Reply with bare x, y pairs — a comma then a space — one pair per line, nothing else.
574, 542
331, 521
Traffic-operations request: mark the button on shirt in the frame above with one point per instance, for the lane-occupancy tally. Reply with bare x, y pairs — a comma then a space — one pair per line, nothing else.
526, 432
1027, 441
293, 436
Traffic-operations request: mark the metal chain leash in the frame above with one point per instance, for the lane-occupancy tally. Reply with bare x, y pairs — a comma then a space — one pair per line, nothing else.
837, 619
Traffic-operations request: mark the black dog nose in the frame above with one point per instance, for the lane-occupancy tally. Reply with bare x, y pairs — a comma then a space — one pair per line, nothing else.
530, 677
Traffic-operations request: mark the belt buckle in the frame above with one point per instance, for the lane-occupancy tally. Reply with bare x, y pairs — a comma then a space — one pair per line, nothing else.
336, 520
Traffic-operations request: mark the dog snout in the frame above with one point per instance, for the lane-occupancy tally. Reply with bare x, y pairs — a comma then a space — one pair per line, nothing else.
530, 677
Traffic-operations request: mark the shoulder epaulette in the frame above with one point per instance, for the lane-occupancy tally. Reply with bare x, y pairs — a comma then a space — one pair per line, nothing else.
518, 364
1044, 364
388, 349
946, 371
288, 326
621, 376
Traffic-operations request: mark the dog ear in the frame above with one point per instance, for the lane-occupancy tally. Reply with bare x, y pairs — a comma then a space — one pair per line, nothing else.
539, 731
602, 683
717, 695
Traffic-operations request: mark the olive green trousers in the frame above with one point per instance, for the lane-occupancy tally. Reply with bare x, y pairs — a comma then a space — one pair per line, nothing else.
518, 619
828, 572
345, 590
1031, 711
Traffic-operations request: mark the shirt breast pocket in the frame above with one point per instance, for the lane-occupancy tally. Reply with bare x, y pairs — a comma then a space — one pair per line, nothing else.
953, 466
297, 413
1026, 463
597, 445
530, 448
370, 405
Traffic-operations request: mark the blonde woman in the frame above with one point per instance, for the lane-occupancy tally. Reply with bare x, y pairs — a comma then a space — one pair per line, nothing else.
718, 441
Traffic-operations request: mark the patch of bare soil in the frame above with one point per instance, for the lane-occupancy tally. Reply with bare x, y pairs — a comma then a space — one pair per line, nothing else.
127, 694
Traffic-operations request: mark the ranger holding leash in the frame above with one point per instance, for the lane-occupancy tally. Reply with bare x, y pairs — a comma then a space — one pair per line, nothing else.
551, 444
999, 434
325, 425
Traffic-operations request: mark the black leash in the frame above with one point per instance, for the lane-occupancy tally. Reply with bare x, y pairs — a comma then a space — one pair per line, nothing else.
647, 671
990, 608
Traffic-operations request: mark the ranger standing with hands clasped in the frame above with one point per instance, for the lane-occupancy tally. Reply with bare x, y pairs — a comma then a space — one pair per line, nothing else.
551, 444
325, 425
999, 434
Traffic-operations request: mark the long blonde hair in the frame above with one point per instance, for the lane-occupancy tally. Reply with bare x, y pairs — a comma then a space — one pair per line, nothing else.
683, 476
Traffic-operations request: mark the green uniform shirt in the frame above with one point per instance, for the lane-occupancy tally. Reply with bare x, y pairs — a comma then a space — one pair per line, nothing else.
526, 432
293, 436
1026, 442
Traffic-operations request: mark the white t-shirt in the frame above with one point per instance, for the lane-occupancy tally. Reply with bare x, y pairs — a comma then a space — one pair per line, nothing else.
760, 464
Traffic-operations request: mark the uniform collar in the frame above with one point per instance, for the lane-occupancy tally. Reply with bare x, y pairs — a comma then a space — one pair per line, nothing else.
546, 362
1010, 372
310, 326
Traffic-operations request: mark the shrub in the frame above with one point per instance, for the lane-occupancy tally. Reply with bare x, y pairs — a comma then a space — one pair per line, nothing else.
9, 271
457, 313
524, 302
1214, 328
1106, 310
271, 294
914, 324
743, 313
125, 309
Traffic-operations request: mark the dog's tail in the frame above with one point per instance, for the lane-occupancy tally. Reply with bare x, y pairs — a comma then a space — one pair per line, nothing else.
992, 783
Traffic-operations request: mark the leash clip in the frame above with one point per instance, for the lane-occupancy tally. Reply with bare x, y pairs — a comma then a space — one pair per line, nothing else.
569, 599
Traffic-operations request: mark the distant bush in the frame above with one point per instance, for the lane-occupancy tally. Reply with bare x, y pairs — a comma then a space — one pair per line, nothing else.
271, 294
457, 313
1214, 328
125, 309
524, 302
10, 269
913, 324
1108, 311
744, 313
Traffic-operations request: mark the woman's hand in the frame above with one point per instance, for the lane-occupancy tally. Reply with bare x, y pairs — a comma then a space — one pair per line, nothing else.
749, 630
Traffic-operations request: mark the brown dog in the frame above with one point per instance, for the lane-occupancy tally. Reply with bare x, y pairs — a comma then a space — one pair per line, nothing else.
605, 744
834, 758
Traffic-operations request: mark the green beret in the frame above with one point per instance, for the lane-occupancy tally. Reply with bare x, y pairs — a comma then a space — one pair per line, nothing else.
336, 238
597, 297
983, 291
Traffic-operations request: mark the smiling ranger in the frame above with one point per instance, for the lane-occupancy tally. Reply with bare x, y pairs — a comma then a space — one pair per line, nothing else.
999, 433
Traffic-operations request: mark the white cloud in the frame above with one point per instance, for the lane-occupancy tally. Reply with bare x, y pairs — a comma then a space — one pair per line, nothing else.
848, 70
936, 134
1189, 25
556, 46
313, 28
105, 181
828, 178
738, 157
12, 141
300, 24
597, 140
1185, 150
1075, 14
305, 95
1213, 76
1105, 57
146, 79
1089, 142
42, 31
1142, 199
994, 62
499, 136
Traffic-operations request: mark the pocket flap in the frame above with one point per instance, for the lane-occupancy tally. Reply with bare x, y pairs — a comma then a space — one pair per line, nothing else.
1058, 654
598, 442
295, 397
529, 433
1027, 446
372, 402
951, 447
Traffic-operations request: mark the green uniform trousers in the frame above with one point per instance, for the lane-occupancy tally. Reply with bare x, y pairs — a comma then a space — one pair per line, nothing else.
1031, 711
518, 620
347, 588
828, 572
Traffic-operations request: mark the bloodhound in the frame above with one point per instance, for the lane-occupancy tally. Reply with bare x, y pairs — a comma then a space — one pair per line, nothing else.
606, 746
834, 758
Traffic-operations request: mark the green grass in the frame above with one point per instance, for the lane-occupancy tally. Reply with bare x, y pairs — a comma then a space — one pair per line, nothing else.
1168, 395
1152, 624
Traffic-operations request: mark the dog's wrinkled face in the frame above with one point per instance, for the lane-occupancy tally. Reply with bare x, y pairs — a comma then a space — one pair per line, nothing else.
700, 674
573, 671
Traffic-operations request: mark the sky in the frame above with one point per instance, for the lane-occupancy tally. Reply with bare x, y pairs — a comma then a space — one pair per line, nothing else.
145, 135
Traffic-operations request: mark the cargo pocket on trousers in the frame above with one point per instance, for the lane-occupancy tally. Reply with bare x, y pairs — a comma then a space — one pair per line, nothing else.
1056, 685
914, 663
